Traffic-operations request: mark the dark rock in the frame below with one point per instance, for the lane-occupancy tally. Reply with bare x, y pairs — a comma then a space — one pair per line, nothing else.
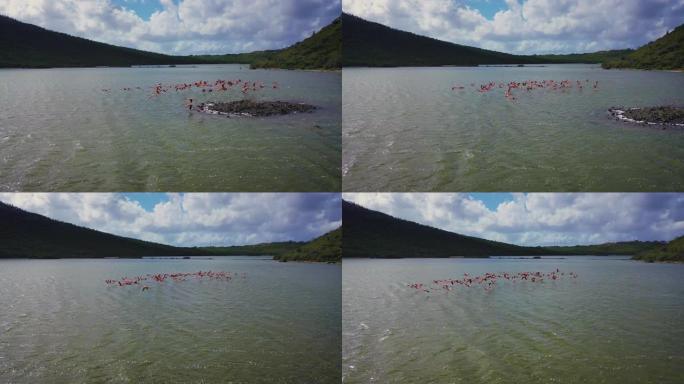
662, 115
257, 108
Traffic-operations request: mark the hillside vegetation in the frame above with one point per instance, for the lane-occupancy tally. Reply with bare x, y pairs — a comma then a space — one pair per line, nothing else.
665, 53
326, 248
669, 252
323, 50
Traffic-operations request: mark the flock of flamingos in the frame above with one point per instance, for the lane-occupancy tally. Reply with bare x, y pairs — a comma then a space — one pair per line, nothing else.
530, 85
245, 86
489, 280
220, 85
141, 281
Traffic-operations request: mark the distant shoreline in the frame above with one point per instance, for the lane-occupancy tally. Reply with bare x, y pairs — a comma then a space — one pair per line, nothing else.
497, 257
144, 66
212, 257
206, 257
510, 66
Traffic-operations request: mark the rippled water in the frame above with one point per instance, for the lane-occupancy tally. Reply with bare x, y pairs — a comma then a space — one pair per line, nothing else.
620, 321
60, 323
404, 129
60, 132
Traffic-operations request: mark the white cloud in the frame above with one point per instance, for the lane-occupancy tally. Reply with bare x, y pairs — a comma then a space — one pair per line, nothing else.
193, 218
182, 27
530, 26
540, 218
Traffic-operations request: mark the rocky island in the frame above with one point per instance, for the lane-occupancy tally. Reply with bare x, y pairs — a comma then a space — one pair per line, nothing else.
250, 108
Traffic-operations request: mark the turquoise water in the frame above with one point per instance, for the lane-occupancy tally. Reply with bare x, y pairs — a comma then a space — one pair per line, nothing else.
405, 129
619, 321
59, 131
273, 323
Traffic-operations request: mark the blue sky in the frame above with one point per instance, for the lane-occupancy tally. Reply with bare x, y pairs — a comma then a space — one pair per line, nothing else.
232, 26
248, 218
181, 26
192, 219
488, 8
147, 200
492, 200
539, 218
144, 8
529, 26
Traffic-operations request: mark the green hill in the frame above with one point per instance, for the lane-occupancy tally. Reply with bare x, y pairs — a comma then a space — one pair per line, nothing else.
665, 53
369, 233
323, 50
29, 235
669, 252
371, 44
326, 248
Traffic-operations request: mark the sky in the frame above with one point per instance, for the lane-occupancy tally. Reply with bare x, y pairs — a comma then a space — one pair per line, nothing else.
539, 218
181, 26
192, 219
529, 26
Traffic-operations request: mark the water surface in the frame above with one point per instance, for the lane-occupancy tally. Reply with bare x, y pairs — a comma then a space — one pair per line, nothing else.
404, 129
60, 323
59, 131
619, 321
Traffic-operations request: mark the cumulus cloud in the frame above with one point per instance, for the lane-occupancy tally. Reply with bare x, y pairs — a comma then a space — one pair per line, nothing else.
530, 26
182, 26
193, 219
540, 218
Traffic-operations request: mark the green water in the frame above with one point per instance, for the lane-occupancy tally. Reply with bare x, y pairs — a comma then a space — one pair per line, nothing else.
404, 129
60, 323
60, 132
619, 322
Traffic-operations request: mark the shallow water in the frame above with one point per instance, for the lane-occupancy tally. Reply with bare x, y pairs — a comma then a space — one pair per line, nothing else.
404, 129
60, 323
60, 132
618, 322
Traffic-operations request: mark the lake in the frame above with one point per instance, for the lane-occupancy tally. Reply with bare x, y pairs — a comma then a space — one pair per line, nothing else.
405, 129
619, 321
272, 323
60, 131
